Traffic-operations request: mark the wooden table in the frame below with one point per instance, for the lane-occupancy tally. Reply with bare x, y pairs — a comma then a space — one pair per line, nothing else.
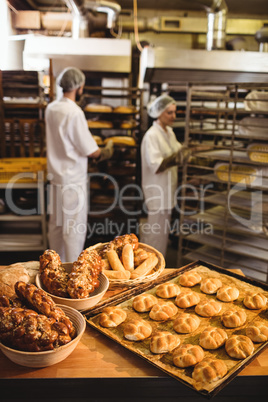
101, 370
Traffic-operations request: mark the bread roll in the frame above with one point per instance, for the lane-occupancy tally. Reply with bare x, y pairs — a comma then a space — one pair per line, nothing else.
208, 308
139, 256
233, 318
212, 338
209, 370
210, 285
167, 290
163, 342
114, 261
8, 278
128, 257
163, 311
239, 346
227, 293
186, 323
257, 331
190, 278
112, 316
187, 298
144, 302
116, 274
145, 267
137, 330
187, 355
255, 301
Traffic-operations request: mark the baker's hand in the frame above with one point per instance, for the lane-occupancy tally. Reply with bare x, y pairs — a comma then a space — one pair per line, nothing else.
185, 154
107, 151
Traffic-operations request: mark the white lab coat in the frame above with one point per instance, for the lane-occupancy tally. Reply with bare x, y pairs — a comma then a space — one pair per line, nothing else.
69, 142
159, 188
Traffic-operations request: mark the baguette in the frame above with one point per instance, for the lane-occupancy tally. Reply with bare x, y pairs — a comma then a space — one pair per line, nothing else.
145, 267
116, 274
128, 257
115, 261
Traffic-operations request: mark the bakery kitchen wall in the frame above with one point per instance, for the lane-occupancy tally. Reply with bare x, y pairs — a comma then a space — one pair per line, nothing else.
182, 24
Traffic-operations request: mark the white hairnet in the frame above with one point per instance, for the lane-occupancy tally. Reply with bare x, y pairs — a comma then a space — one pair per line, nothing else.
71, 78
158, 105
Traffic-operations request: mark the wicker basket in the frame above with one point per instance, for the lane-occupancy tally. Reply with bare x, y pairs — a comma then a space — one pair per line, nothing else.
143, 279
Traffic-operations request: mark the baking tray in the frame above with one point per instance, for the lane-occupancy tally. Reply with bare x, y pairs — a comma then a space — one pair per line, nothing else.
164, 361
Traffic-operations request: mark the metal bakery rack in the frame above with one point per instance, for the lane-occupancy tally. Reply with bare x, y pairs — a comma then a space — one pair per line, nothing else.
224, 204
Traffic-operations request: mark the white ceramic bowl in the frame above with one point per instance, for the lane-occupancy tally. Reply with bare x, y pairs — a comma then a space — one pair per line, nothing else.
79, 304
49, 357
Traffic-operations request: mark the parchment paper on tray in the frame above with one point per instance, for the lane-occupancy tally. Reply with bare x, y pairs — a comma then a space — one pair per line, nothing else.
164, 361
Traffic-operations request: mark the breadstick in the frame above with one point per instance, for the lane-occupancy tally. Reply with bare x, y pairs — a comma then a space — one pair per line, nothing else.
115, 261
128, 257
145, 267
116, 274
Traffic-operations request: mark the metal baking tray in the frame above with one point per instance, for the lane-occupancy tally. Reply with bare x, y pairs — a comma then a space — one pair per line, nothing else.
164, 361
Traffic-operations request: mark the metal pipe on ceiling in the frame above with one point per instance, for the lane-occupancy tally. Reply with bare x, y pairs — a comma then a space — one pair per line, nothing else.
83, 19
217, 18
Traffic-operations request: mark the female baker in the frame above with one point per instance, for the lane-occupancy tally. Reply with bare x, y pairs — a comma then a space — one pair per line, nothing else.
161, 154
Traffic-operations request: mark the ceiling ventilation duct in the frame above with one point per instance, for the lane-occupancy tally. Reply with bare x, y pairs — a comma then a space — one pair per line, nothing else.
82, 19
217, 17
80, 27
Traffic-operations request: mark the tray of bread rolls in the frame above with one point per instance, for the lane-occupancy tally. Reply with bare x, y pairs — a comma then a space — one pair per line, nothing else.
200, 324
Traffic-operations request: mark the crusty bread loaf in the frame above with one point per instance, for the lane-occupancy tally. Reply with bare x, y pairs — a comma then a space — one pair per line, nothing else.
32, 267
212, 338
163, 311
127, 124
257, 331
99, 124
227, 293
167, 290
209, 370
255, 301
8, 278
187, 298
137, 330
208, 308
190, 278
121, 140
233, 318
163, 342
210, 285
239, 346
98, 108
144, 302
98, 139
187, 355
125, 109
112, 317
186, 323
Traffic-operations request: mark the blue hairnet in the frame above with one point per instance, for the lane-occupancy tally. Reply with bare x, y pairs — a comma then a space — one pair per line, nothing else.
71, 78
158, 105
